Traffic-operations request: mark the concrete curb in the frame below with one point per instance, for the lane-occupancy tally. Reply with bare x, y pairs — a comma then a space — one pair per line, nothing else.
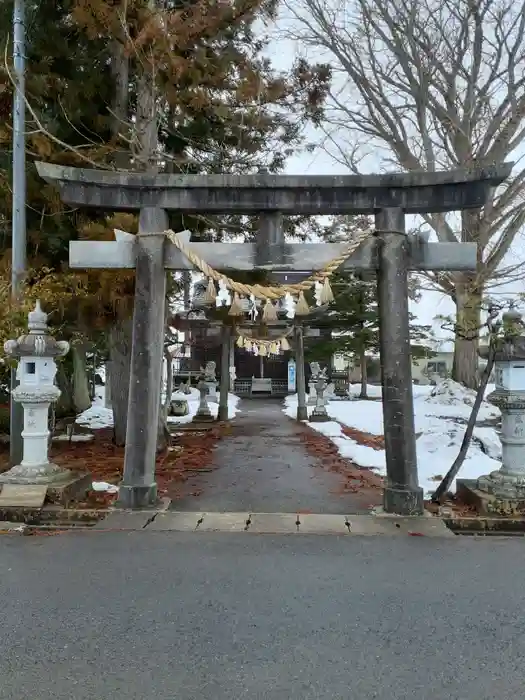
276, 523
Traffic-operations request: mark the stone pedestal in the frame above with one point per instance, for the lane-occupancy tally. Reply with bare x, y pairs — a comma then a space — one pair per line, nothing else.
503, 490
312, 394
203, 412
212, 391
35, 467
489, 504
329, 393
319, 414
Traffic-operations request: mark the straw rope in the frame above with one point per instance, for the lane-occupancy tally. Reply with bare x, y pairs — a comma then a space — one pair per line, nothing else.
269, 292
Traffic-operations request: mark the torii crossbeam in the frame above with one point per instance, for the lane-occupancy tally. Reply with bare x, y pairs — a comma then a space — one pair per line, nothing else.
392, 254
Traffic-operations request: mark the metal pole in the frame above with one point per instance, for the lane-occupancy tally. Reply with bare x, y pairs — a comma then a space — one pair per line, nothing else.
402, 492
18, 245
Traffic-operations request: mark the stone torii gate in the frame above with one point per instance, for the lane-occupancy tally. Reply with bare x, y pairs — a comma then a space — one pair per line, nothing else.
391, 253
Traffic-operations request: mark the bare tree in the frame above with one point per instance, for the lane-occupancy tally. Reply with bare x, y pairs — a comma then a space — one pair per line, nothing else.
431, 85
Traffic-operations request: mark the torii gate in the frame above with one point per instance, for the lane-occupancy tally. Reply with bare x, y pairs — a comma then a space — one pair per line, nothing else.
392, 254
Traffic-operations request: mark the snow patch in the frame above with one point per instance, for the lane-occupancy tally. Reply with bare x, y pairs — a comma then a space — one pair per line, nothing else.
73, 438
96, 417
440, 415
193, 404
103, 486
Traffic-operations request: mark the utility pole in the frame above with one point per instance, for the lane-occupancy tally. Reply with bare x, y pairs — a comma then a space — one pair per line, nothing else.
18, 258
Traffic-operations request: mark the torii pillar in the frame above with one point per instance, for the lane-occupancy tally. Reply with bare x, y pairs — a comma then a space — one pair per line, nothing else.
391, 254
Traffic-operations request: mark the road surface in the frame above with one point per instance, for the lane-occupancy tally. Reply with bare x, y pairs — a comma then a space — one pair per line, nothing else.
187, 616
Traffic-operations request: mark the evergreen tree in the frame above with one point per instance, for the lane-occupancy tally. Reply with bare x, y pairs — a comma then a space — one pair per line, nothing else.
353, 321
216, 105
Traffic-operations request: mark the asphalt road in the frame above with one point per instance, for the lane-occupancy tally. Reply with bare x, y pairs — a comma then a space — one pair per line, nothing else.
187, 616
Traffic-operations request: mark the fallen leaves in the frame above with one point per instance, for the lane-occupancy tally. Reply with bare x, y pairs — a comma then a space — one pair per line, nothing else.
376, 442
355, 478
192, 453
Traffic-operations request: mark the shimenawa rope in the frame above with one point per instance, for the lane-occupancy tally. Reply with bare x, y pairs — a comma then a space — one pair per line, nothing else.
270, 293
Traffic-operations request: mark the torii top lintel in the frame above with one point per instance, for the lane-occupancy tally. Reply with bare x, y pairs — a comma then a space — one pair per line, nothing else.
414, 192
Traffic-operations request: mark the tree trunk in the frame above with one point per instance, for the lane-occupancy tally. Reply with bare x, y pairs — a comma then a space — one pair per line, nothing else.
118, 379
65, 405
163, 433
468, 322
169, 384
119, 125
364, 377
81, 393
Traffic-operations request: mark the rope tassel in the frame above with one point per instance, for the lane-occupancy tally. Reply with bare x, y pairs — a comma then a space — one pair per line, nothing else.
327, 295
269, 312
285, 345
211, 293
236, 307
302, 308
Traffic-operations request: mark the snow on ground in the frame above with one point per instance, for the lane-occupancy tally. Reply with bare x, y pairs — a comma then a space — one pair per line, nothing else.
98, 416
440, 415
193, 405
104, 486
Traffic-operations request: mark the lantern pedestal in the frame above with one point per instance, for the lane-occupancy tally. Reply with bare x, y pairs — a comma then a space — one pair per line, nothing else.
319, 414
502, 491
312, 394
35, 467
203, 414
36, 352
212, 391
488, 504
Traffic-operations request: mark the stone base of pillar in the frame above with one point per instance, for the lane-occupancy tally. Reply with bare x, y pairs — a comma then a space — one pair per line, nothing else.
403, 501
502, 485
38, 474
223, 413
319, 416
133, 497
502, 501
70, 491
302, 413
202, 416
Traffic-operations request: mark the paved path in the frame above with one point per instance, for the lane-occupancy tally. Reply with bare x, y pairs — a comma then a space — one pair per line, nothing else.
263, 467
131, 616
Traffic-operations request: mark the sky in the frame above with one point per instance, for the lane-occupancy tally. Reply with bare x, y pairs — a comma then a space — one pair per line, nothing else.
282, 53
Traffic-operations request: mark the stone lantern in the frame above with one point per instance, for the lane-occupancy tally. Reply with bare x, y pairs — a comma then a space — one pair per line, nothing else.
36, 353
508, 483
